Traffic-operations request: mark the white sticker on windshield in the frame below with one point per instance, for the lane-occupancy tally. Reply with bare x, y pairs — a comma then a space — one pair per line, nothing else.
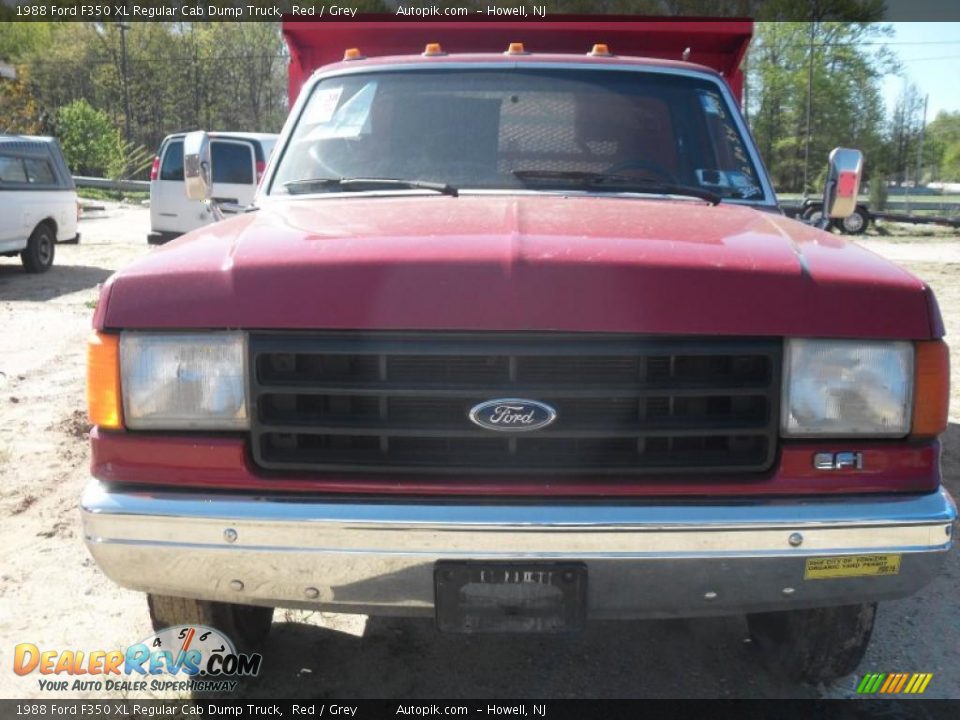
351, 119
323, 106
744, 183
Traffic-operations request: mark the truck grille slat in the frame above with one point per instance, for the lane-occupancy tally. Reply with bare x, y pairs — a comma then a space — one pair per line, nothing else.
398, 402
573, 433
385, 389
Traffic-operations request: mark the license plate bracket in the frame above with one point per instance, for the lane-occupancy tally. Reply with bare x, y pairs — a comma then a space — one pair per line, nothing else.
510, 597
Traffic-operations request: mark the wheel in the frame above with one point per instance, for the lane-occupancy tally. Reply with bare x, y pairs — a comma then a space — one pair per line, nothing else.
247, 625
855, 224
38, 255
812, 215
817, 645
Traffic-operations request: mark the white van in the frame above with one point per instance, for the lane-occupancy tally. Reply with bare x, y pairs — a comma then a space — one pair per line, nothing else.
38, 200
238, 161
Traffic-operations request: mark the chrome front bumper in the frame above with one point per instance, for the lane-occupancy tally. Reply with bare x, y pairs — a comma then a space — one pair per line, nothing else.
377, 556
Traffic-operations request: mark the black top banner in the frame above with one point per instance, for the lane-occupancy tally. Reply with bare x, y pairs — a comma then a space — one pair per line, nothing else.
529, 709
467, 10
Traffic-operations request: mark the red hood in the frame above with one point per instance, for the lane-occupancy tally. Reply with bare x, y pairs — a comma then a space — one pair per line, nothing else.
527, 262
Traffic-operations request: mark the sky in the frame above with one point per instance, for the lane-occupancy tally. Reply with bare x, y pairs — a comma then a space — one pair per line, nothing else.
930, 55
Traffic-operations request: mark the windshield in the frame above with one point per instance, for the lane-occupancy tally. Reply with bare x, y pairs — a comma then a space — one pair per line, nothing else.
519, 128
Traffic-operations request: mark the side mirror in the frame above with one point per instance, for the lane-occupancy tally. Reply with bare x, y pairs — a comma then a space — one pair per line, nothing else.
197, 173
843, 184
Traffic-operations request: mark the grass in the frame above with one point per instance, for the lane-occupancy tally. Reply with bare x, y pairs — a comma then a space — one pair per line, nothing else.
99, 194
945, 199
906, 233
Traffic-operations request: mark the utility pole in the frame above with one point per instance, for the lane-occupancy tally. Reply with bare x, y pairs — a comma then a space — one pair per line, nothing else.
126, 90
806, 144
196, 75
923, 129
916, 178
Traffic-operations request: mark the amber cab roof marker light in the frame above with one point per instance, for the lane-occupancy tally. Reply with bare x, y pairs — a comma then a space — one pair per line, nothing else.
433, 50
600, 50
931, 392
516, 48
353, 54
103, 381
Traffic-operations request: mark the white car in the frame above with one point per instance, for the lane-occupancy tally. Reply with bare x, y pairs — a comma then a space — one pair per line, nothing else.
38, 200
239, 160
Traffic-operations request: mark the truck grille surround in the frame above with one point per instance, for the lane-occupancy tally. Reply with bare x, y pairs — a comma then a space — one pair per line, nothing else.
400, 402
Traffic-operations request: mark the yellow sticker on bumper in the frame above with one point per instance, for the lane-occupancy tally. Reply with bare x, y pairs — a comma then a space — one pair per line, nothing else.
845, 566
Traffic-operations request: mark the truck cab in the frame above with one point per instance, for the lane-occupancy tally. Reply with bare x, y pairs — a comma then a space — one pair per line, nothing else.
512, 340
38, 200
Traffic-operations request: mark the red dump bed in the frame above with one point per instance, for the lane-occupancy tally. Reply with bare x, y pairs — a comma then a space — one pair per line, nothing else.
719, 44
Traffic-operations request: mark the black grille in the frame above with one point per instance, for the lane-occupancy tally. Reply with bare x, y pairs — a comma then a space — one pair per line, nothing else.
399, 402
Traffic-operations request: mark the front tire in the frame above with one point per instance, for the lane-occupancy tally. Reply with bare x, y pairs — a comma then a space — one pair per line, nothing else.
247, 625
812, 215
38, 255
855, 224
817, 645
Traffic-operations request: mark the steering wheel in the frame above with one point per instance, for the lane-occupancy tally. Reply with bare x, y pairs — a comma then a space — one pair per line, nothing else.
649, 167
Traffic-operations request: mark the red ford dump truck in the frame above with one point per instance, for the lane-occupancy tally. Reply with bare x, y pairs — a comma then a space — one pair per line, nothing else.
514, 338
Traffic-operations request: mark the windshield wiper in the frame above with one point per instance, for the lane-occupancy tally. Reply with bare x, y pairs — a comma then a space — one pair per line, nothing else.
615, 180
295, 187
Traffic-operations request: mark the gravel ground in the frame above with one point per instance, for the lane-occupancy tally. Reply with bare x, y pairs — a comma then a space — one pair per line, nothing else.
53, 595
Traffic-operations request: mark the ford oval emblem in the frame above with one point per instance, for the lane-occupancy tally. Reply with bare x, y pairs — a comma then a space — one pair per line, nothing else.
512, 415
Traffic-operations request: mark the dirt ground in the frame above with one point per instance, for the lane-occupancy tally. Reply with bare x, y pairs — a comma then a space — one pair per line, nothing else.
52, 594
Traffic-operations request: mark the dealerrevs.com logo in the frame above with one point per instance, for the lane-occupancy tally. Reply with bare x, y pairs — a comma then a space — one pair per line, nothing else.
191, 658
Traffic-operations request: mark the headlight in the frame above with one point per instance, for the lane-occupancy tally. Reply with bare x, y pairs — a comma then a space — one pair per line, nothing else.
847, 388
184, 381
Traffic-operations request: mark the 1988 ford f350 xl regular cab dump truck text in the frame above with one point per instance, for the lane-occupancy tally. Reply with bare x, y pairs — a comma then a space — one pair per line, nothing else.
516, 340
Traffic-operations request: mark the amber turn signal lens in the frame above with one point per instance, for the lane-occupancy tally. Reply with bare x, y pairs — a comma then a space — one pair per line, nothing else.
353, 54
931, 393
103, 380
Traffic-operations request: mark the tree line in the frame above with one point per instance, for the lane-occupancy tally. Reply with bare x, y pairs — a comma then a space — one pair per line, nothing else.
843, 64
111, 92
139, 82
